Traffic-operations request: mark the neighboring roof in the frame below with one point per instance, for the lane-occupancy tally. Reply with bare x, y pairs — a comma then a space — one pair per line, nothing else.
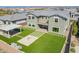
64, 14
20, 11
13, 17
9, 27
76, 14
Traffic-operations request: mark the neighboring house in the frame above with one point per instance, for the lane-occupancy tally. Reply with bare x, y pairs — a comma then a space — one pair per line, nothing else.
76, 16
10, 25
52, 21
72, 15
13, 19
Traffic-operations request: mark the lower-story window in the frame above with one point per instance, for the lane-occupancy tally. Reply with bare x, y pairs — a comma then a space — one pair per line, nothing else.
29, 24
33, 25
55, 29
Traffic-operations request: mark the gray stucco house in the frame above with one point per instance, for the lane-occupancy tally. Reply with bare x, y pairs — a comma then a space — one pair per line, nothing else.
52, 21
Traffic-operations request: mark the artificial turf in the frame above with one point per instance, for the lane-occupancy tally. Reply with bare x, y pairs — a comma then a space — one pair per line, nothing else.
25, 32
48, 43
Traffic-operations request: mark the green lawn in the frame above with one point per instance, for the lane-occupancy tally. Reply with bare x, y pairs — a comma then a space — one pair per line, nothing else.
26, 31
48, 43
12, 39
37, 33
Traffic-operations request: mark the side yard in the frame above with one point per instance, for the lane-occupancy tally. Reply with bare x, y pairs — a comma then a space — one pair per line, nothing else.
24, 33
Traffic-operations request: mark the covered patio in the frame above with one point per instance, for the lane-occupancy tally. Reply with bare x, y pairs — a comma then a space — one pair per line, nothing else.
9, 30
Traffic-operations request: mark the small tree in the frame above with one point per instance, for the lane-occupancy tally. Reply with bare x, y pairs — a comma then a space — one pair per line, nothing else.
73, 44
75, 28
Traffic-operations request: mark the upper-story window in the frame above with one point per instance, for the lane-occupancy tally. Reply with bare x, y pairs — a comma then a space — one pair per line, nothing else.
4, 22
46, 17
14, 22
72, 15
8, 22
42, 17
29, 17
33, 17
56, 19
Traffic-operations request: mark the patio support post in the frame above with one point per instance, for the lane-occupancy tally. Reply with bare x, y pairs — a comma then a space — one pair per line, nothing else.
20, 29
8, 34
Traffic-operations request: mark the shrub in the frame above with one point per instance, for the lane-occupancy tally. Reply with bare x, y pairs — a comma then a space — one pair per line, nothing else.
74, 32
73, 44
72, 50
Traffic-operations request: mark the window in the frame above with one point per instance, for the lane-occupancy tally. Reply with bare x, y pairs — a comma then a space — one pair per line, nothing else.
33, 25
55, 29
47, 22
29, 24
46, 17
42, 17
4, 22
56, 19
14, 22
8, 22
29, 17
72, 15
32, 17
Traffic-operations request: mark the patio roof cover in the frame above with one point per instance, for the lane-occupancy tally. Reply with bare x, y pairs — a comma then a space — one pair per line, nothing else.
9, 27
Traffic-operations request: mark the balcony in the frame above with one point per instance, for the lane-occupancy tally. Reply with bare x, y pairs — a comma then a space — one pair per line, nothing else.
43, 21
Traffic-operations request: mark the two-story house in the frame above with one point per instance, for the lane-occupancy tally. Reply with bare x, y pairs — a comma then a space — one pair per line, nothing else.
52, 21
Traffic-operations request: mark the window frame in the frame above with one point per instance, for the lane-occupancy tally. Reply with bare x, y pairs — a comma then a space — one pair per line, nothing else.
29, 24
33, 25
29, 17
56, 20
33, 17
55, 29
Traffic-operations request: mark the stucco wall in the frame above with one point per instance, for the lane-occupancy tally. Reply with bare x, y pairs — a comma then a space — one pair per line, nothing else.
32, 22
61, 24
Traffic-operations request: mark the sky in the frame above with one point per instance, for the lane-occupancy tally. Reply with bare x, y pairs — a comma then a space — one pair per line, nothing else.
39, 2
37, 6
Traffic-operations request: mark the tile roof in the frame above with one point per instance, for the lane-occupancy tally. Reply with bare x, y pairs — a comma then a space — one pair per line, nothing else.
13, 17
63, 14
